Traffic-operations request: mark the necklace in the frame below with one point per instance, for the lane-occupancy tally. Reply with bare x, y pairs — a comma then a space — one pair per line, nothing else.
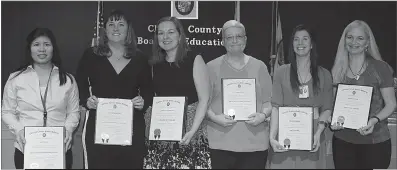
119, 58
357, 76
304, 81
169, 61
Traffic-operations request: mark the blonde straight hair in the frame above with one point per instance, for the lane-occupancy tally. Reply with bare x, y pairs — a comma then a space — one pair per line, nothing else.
342, 57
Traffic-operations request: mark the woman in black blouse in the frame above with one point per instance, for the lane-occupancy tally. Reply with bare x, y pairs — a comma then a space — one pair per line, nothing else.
115, 69
179, 72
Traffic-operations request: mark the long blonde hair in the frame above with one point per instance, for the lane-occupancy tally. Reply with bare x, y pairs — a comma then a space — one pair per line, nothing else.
342, 60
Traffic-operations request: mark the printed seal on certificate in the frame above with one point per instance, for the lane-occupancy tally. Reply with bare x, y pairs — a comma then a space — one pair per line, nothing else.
231, 113
105, 138
34, 165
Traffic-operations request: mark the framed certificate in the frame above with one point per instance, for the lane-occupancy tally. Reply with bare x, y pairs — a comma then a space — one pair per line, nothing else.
295, 127
167, 121
352, 104
239, 97
114, 122
44, 148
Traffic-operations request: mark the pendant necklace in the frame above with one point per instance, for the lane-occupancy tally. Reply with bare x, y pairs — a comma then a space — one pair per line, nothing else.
357, 76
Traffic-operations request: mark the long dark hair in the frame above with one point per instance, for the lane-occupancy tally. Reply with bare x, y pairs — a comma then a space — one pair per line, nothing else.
55, 60
130, 42
313, 61
182, 49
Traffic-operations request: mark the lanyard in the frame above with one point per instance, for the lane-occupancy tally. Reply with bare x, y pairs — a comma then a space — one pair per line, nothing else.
43, 101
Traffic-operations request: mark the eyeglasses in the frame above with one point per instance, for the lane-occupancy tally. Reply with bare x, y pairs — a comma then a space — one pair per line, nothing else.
238, 37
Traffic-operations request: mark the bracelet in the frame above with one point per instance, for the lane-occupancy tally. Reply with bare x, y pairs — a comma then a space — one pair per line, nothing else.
85, 106
377, 118
266, 114
323, 122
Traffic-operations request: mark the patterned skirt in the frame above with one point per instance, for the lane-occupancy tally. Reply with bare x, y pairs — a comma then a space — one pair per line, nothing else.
171, 155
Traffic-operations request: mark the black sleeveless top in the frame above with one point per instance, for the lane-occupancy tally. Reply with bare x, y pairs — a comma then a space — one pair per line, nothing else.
170, 80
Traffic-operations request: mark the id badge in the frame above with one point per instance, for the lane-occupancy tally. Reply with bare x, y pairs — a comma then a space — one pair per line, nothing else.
303, 91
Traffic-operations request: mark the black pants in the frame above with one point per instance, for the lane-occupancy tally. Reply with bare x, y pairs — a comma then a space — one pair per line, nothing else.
361, 156
112, 156
221, 159
18, 159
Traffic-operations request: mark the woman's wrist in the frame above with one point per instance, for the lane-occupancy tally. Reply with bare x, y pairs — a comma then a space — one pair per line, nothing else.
321, 125
319, 130
272, 136
84, 106
375, 119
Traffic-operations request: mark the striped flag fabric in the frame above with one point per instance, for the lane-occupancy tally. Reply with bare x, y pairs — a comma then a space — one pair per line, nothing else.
99, 25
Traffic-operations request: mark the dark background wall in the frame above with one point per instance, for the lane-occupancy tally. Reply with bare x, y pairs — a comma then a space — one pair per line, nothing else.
73, 26
330, 18
71, 22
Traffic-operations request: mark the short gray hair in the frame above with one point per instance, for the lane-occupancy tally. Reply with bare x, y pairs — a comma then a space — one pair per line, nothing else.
232, 23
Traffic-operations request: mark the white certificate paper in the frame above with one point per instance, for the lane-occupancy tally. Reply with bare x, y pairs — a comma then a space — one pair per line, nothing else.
167, 118
352, 104
295, 127
239, 98
114, 122
44, 148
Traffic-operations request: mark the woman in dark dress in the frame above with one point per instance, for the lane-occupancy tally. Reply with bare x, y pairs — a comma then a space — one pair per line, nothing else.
115, 69
178, 72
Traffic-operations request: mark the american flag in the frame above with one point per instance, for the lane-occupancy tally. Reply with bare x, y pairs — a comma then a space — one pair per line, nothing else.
277, 50
99, 25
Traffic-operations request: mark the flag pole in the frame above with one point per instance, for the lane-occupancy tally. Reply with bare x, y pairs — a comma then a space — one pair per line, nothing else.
272, 41
272, 36
237, 11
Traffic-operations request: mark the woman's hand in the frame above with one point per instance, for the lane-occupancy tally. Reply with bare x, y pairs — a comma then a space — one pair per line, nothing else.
316, 142
92, 102
21, 139
186, 139
366, 130
336, 127
277, 147
68, 139
138, 102
224, 120
256, 118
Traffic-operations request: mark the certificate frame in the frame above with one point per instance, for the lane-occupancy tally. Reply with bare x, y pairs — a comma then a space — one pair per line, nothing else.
184, 116
105, 138
44, 130
223, 94
286, 142
338, 118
